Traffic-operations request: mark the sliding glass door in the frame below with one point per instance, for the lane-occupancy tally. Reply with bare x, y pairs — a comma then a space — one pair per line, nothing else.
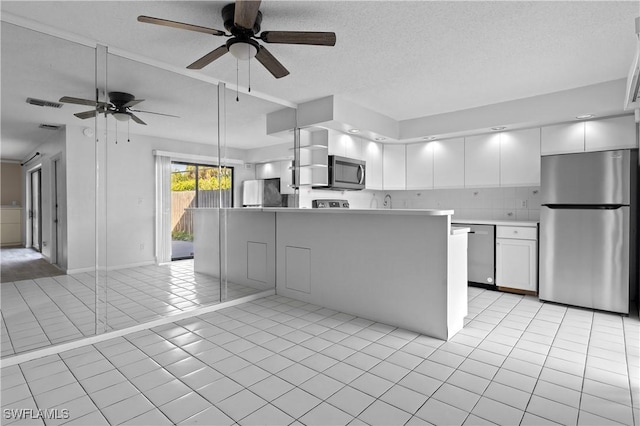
195, 186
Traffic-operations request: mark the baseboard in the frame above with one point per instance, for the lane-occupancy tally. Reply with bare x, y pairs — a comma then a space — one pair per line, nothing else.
109, 268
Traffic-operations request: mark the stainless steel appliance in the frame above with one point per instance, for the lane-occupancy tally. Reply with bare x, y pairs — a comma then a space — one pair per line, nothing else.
330, 204
481, 253
346, 173
261, 193
588, 229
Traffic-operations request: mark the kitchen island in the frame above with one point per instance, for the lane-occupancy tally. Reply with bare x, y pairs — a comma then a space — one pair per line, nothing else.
405, 268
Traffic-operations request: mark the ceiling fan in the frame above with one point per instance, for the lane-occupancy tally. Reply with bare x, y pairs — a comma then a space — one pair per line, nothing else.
242, 20
119, 106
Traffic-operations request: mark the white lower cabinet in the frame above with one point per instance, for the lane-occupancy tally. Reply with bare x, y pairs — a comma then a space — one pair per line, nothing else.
517, 258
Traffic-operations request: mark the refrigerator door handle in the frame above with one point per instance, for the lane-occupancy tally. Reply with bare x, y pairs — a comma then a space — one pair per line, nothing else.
584, 206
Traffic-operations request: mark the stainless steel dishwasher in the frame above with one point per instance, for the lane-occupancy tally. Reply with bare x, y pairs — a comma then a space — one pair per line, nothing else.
481, 255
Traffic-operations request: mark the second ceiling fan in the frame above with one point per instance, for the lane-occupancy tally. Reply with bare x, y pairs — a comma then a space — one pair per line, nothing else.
242, 20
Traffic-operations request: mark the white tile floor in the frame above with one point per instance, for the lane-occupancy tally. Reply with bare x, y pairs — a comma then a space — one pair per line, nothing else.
280, 361
45, 311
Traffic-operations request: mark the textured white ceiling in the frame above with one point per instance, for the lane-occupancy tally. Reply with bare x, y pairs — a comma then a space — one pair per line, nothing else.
403, 59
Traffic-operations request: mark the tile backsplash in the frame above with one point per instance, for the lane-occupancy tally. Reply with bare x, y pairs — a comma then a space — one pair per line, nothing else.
521, 203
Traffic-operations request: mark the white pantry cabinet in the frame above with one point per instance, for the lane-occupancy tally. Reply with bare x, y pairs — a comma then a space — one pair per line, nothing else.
448, 163
393, 166
372, 155
520, 158
482, 160
420, 165
517, 258
610, 133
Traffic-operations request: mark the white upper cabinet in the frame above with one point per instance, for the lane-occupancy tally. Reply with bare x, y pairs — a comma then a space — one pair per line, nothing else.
420, 165
393, 167
345, 145
268, 170
562, 138
482, 160
520, 158
372, 155
594, 135
610, 133
448, 163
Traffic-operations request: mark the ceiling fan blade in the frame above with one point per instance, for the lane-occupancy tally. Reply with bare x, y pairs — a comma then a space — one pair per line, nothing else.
137, 120
245, 13
79, 101
179, 25
156, 113
86, 114
133, 103
271, 63
299, 37
208, 58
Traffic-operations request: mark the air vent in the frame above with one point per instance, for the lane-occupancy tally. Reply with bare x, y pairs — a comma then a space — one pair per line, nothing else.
43, 103
50, 127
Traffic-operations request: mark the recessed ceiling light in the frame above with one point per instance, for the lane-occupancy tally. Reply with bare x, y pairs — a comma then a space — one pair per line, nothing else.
353, 130
380, 138
498, 128
584, 116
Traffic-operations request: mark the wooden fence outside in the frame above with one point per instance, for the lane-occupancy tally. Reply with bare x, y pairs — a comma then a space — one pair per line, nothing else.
181, 220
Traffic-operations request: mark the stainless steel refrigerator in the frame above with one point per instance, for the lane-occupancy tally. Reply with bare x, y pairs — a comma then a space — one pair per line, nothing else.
588, 229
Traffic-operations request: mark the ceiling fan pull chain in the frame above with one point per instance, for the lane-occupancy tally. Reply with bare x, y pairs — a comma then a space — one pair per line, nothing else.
249, 75
237, 83
116, 132
128, 130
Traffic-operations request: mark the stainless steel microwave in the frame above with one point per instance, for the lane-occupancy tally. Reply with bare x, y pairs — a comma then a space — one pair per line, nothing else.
346, 173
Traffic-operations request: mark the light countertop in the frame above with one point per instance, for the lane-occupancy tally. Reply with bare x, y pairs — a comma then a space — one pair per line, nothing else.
406, 212
529, 223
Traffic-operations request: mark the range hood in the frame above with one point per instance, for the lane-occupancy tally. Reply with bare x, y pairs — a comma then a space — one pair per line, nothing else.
632, 100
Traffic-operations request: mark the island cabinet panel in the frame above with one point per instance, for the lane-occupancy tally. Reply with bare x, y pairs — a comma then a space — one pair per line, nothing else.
482, 160
393, 167
332, 259
610, 133
520, 158
562, 138
420, 166
448, 163
372, 155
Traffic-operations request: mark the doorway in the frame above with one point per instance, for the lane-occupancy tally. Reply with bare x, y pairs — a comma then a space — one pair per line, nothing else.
35, 218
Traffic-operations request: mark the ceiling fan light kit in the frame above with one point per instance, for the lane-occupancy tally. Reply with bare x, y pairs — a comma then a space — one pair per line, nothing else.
119, 106
242, 20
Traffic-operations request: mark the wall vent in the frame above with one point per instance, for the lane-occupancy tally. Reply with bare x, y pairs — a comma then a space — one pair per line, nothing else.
43, 103
50, 126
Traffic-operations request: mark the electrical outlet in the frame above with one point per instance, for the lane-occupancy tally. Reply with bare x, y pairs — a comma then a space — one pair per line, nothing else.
141, 247
522, 204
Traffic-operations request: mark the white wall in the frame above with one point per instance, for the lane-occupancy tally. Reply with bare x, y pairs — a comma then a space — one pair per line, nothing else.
130, 196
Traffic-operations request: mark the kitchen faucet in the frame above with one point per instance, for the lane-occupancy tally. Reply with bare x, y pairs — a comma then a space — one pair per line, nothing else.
387, 201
